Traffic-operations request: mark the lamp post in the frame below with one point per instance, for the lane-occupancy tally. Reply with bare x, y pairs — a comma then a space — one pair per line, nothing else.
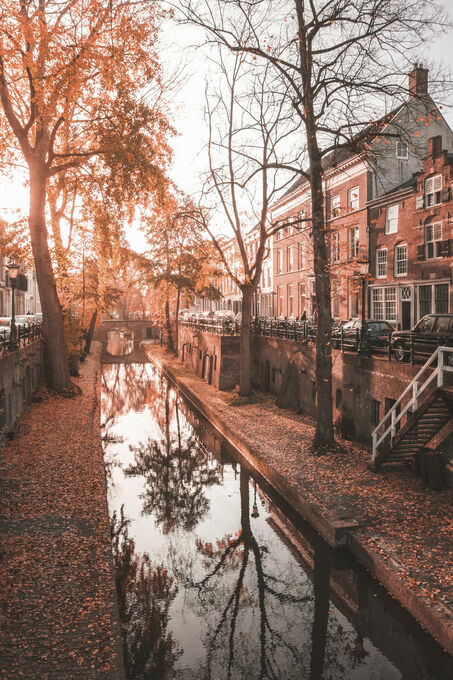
254, 512
363, 273
13, 271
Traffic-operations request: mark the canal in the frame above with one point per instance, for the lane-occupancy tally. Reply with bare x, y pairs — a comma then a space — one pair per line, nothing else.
216, 577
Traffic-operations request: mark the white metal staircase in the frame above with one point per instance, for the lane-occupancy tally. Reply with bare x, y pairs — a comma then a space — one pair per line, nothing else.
425, 406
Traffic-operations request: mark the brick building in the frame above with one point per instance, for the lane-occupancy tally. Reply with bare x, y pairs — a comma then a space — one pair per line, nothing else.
351, 181
411, 242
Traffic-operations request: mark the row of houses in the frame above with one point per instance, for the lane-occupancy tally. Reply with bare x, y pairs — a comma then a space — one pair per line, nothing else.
26, 292
391, 207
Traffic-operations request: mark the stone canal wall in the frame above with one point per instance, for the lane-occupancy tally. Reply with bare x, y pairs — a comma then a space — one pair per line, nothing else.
21, 372
213, 357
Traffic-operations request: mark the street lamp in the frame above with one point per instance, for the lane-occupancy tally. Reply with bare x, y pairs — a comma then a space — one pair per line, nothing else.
13, 271
362, 264
255, 512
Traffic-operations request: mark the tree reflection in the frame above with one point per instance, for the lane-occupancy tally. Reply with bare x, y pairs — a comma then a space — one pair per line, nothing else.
177, 469
144, 596
227, 645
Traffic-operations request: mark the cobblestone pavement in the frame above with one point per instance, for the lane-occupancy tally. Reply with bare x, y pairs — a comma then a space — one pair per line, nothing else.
58, 613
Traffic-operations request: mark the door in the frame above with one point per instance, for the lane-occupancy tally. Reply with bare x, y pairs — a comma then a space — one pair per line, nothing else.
405, 315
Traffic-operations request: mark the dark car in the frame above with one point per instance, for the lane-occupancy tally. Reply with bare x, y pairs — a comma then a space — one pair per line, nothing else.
378, 334
431, 332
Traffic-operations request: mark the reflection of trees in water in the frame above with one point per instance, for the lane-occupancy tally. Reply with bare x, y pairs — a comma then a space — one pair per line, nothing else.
251, 610
176, 469
144, 596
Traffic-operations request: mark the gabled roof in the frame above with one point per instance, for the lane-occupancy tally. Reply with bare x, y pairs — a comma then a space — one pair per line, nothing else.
344, 153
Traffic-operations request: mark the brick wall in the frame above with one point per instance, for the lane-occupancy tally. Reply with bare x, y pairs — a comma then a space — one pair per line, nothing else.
213, 357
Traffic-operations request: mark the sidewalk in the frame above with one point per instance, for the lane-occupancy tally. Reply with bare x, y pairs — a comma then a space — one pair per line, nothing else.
58, 616
395, 525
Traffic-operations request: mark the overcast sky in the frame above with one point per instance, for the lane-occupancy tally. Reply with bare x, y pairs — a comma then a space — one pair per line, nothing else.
187, 111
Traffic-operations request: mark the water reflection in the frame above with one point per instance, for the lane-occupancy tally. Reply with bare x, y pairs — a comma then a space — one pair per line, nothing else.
214, 579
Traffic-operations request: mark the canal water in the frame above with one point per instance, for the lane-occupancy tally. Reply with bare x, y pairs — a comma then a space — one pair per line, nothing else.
216, 577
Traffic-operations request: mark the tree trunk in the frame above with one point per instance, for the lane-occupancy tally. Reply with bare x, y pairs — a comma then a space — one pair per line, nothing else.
170, 345
86, 349
245, 386
178, 302
324, 435
53, 325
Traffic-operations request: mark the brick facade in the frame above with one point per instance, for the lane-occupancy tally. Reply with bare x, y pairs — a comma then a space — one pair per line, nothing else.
411, 243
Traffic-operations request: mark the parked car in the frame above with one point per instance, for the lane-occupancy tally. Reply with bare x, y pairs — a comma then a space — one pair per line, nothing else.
39, 317
432, 331
21, 320
378, 334
5, 327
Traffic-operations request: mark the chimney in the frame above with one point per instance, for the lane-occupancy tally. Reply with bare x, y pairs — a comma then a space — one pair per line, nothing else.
418, 80
435, 146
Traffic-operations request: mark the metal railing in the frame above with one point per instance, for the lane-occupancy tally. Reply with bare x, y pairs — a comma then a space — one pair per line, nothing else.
301, 331
24, 336
409, 400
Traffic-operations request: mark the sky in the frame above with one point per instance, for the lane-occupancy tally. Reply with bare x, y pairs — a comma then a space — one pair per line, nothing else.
178, 54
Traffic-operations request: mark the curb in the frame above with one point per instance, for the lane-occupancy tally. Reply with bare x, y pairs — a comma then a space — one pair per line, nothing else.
337, 533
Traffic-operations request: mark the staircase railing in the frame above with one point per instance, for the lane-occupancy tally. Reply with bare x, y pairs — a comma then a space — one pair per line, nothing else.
413, 391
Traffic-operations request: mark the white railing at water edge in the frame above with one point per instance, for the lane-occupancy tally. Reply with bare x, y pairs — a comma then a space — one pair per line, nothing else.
415, 389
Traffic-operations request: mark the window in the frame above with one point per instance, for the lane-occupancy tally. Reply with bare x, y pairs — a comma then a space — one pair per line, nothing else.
354, 305
401, 260
390, 304
353, 242
335, 206
279, 300
441, 298
391, 222
335, 247
401, 150
433, 188
302, 224
377, 303
301, 298
353, 198
302, 255
375, 408
290, 301
381, 263
279, 261
335, 299
425, 298
290, 258
433, 238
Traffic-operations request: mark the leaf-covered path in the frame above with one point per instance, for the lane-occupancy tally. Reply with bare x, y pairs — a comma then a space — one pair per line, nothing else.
404, 532
58, 615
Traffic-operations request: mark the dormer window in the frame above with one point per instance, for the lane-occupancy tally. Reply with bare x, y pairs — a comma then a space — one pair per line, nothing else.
433, 188
401, 150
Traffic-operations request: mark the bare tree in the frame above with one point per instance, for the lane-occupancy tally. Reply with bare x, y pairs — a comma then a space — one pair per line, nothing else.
332, 57
248, 132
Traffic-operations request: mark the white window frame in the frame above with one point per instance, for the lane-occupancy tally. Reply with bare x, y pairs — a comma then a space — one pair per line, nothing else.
335, 205
353, 202
391, 219
377, 303
381, 263
290, 258
433, 189
353, 242
280, 261
335, 247
290, 297
434, 241
302, 255
400, 262
401, 150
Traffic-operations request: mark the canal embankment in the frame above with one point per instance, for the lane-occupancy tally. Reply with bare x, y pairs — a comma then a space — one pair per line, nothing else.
393, 524
59, 615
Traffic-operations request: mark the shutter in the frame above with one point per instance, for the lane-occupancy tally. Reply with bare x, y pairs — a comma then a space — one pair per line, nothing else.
445, 248
445, 194
421, 252
419, 202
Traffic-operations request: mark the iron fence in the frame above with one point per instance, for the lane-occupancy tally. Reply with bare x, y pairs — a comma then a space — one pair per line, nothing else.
24, 336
